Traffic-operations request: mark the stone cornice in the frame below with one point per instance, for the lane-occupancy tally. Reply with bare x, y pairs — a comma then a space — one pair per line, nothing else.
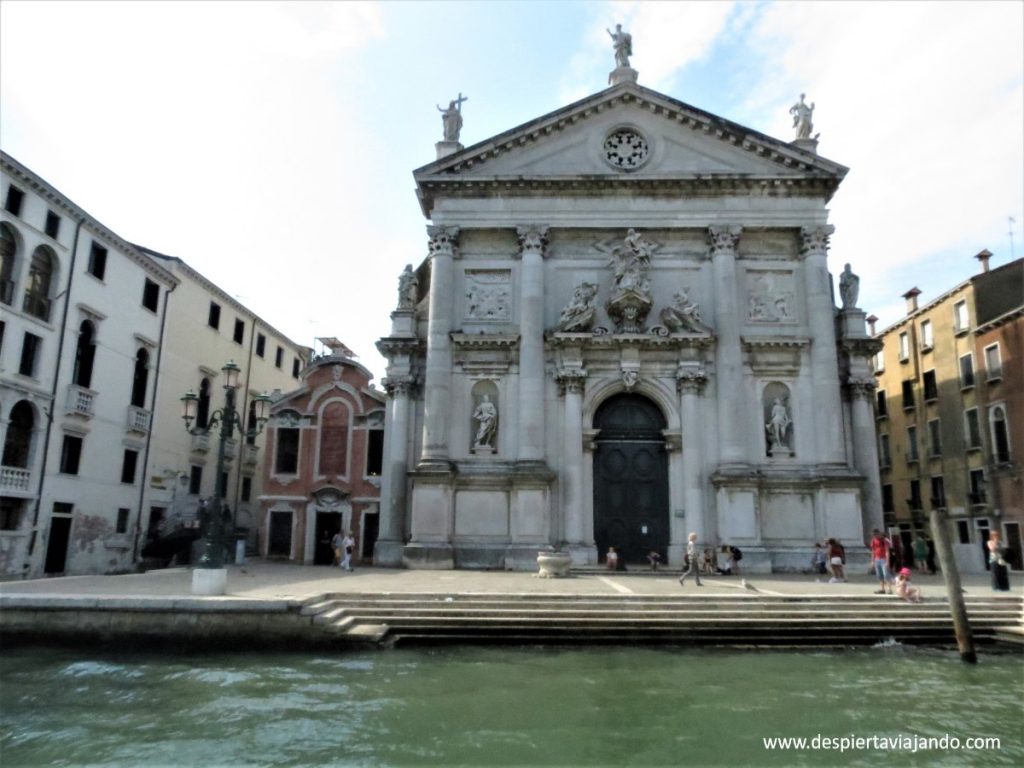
865, 347
390, 346
621, 340
485, 341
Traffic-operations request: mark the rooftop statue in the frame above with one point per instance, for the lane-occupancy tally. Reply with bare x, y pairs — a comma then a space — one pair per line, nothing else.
408, 288
849, 287
623, 44
802, 118
451, 117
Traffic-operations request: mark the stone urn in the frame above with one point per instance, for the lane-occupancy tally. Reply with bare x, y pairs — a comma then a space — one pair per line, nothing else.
553, 565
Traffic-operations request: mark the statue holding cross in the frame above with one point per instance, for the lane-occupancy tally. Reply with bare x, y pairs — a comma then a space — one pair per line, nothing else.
452, 117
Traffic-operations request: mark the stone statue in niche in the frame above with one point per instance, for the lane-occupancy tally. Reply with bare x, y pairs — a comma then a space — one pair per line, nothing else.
630, 296
622, 42
801, 113
408, 288
849, 287
486, 417
578, 315
778, 428
451, 118
683, 315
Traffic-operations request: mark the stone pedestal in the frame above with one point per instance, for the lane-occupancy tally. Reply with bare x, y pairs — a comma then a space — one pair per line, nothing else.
621, 75
209, 581
853, 324
445, 148
553, 565
807, 145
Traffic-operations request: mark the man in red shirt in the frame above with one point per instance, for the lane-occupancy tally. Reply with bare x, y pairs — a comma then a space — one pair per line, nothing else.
880, 547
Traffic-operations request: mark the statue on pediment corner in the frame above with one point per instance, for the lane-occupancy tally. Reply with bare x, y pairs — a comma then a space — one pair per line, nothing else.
801, 113
849, 288
451, 118
408, 288
578, 314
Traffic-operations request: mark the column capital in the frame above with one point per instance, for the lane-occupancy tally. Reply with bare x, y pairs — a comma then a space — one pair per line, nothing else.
814, 240
399, 385
690, 381
862, 388
533, 238
444, 241
724, 239
571, 381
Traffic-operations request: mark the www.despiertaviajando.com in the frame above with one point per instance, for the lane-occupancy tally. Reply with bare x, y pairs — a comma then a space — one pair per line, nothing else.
896, 743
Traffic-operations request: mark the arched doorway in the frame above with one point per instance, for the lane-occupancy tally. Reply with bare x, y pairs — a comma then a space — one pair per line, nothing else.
631, 479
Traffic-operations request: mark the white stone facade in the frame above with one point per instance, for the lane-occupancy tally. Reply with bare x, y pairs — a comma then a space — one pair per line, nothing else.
711, 357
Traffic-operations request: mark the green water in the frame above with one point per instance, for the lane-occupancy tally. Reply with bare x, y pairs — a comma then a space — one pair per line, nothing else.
486, 706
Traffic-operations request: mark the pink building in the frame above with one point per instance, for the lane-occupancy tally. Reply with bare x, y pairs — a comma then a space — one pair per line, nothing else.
322, 465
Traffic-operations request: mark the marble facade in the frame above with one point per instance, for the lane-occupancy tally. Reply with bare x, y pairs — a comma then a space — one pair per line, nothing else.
628, 250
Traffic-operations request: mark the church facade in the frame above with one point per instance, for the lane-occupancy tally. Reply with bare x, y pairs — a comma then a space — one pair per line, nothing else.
626, 331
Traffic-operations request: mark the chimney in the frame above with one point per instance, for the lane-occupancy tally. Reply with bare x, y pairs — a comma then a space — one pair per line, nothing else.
911, 297
871, 324
983, 257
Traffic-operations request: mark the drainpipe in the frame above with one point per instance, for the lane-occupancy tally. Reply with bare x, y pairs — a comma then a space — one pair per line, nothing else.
53, 399
149, 434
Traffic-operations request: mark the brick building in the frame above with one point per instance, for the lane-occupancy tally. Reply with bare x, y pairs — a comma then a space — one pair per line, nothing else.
322, 465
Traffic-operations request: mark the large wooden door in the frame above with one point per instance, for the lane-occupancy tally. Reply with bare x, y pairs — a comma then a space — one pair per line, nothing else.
631, 480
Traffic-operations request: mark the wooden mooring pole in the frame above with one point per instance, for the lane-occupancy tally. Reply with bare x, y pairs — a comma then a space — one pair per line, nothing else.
951, 575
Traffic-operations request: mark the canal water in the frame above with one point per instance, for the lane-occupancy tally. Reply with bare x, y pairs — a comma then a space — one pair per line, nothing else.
471, 706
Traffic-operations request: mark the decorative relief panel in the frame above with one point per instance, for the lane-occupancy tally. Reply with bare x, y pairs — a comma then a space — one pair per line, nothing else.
770, 296
489, 295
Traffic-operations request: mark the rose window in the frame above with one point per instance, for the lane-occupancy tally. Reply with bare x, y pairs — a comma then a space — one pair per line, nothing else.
626, 149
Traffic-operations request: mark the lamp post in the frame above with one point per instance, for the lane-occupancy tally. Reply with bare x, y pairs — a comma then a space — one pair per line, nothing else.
210, 577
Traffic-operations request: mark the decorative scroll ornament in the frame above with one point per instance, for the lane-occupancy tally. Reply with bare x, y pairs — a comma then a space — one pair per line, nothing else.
630, 379
578, 314
532, 238
814, 240
444, 241
723, 240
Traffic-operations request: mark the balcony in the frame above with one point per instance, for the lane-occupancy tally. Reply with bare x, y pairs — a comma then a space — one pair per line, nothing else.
80, 401
15, 480
6, 292
230, 449
250, 454
915, 505
938, 502
200, 443
37, 306
138, 420
977, 498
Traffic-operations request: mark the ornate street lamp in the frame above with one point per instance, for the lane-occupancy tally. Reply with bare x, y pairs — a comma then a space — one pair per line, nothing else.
210, 577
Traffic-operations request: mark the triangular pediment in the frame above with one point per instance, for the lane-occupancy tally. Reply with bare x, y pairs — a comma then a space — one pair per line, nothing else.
628, 134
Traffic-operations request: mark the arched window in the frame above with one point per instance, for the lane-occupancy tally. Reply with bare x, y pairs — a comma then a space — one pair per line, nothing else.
37, 290
1000, 435
140, 378
8, 250
203, 409
334, 439
19, 436
85, 353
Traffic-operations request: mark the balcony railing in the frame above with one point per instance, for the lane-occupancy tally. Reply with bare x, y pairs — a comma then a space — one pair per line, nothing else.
139, 419
200, 443
15, 479
938, 502
915, 505
977, 497
80, 401
37, 306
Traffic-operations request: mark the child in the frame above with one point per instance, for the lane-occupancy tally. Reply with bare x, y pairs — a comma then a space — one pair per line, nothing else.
903, 588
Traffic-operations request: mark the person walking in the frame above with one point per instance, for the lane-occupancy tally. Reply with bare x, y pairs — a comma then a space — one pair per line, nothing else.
837, 559
348, 547
692, 564
997, 563
921, 553
338, 545
880, 546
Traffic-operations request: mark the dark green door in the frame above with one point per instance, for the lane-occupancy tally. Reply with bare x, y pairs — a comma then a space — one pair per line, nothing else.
630, 480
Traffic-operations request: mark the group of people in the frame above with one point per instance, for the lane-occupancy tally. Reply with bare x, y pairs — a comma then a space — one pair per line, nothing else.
343, 546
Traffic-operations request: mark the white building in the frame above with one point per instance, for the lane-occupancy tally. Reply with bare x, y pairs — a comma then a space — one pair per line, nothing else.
205, 329
625, 332
79, 342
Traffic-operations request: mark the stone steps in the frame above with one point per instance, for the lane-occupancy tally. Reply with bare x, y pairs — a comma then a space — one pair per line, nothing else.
733, 620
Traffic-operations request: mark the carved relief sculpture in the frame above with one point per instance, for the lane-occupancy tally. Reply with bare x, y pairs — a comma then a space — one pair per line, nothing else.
486, 416
849, 288
801, 113
769, 299
622, 42
487, 296
630, 297
408, 288
578, 315
683, 315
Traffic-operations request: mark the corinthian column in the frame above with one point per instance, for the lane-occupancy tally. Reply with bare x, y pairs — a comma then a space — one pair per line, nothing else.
728, 353
690, 383
532, 240
570, 383
437, 385
827, 409
865, 451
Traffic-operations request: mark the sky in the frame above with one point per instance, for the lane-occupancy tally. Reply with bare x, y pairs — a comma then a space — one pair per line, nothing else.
271, 145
